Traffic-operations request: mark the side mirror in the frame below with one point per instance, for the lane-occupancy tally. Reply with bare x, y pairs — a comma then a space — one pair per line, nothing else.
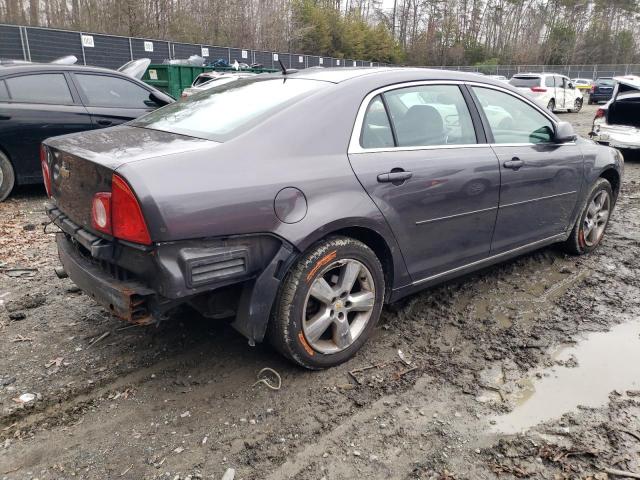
571, 85
159, 101
564, 133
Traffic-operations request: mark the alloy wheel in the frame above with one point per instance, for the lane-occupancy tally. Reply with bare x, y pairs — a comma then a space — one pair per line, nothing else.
595, 221
338, 306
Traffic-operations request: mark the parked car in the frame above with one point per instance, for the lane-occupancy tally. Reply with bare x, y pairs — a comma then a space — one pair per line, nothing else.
554, 91
602, 90
38, 101
582, 84
502, 78
303, 202
617, 123
208, 80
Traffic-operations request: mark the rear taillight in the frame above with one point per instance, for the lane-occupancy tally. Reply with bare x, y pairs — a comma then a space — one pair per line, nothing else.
600, 113
46, 171
118, 213
593, 88
127, 221
538, 89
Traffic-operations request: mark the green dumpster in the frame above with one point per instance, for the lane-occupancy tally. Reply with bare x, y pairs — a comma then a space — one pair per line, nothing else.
173, 79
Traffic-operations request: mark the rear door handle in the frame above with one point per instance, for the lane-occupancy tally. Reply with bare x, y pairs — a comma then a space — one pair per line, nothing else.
5, 117
395, 176
514, 164
105, 123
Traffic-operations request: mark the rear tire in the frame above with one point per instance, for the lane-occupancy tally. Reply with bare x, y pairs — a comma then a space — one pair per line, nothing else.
328, 304
551, 105
594, 218
7, 177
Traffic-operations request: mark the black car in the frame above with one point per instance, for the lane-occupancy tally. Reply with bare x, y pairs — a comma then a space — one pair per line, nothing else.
38, 101
602, 90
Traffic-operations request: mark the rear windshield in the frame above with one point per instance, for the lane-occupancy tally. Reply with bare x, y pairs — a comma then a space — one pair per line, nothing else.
224, 111
605, 81
525, 82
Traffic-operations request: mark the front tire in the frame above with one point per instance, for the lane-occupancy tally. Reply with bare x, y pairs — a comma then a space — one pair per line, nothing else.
328, 303
592, 223
7, 177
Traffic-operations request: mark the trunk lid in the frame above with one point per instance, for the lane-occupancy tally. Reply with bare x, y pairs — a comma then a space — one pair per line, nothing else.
82, 164
628, 83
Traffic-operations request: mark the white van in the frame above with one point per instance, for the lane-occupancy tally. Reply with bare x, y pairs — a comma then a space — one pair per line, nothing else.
551, 90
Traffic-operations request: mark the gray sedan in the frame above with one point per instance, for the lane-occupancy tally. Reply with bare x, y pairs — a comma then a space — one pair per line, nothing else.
299, 203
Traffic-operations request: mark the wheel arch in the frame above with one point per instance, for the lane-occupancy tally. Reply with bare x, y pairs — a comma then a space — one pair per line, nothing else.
613, 177
382, 243
378, 244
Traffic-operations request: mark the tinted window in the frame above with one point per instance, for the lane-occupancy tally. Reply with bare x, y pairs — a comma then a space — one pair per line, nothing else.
512, 120
430, 115
376, 129
525, 82
40, 88
105, 91
220, 113
4, 94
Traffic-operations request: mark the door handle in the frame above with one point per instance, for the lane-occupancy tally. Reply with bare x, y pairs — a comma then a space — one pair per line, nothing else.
5, 117
105, 123
514, 164
397, 176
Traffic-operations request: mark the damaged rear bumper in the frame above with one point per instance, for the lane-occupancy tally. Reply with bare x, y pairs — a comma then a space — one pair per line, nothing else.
617, 136
128, 300
143, 284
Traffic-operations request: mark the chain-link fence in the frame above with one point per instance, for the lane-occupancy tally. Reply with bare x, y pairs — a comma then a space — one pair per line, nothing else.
571, 71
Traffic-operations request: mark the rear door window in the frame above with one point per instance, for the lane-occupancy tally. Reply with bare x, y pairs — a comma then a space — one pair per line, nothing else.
430, 115
49, 88
376, 129
549, 82
108, 91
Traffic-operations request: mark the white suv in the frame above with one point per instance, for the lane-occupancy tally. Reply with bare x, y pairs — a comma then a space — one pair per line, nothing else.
556, 92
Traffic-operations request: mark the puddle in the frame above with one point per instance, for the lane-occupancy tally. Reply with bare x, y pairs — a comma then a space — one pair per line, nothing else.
607, 361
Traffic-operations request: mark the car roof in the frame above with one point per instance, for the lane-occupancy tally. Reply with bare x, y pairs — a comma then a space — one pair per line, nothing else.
388, 74
10, 68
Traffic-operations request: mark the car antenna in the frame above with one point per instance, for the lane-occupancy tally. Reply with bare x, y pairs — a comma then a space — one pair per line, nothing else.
284, 70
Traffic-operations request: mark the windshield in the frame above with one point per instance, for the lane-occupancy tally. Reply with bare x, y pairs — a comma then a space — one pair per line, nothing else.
222, 112
525, 82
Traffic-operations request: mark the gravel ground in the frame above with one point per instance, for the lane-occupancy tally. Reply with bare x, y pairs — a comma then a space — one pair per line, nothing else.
180, 400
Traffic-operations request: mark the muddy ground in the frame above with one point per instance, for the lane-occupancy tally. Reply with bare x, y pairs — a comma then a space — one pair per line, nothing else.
546, 343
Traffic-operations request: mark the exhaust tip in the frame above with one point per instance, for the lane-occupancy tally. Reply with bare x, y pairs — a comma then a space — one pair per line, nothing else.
60, 272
